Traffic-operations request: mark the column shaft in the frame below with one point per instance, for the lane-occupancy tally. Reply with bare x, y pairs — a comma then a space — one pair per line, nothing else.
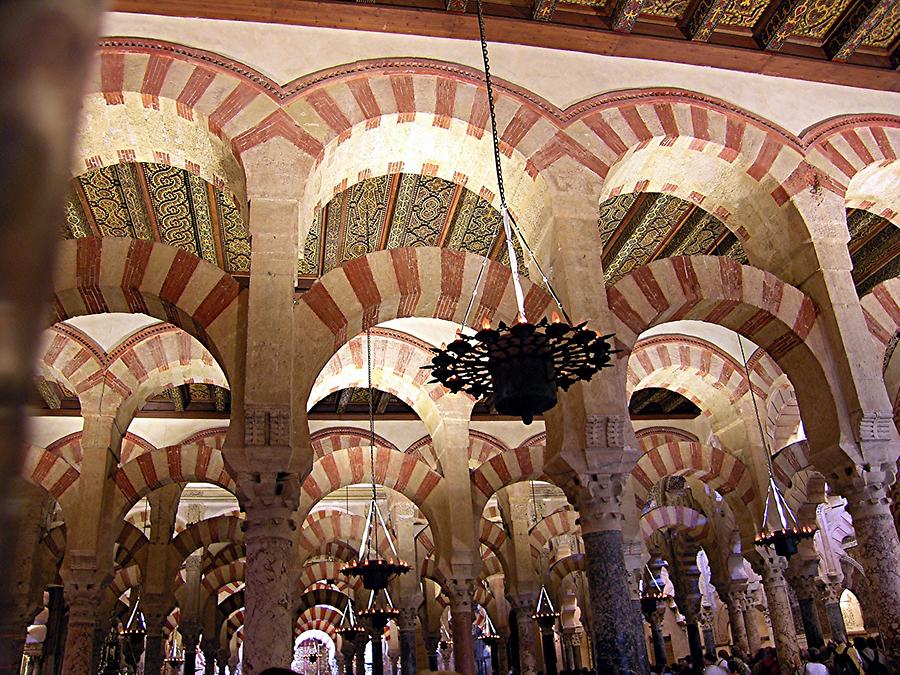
780, 613
268, 623
659, 644
615, 646
695, 644
525, 629
153, 653
736, 622
811, 626
461, 620
548, 645
79, 652
752, 625
408, 651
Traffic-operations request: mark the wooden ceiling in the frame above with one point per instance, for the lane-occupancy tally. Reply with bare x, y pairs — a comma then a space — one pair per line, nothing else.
851, 42
874, 249
189, 400
159, 203
395, 211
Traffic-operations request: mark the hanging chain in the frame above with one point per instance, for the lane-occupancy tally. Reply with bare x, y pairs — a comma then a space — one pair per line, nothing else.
506, 219
762, 436
371, 399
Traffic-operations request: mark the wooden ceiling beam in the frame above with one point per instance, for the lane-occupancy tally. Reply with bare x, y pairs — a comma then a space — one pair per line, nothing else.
457, 5
625, 14
852, 30
777, 24
542, 10
344, 399
704, 19
592, 37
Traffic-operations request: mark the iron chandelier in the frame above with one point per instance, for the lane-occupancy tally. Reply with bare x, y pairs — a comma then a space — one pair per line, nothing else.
523, 364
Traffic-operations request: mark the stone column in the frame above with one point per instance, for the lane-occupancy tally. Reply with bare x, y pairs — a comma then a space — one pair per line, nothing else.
805, 588
461, 620
431, 649
348, 650
222, 660
656, 621
706, 626
155, 613
209, 656
406, 630
747, 603
56, 627
831, 591
548, 648
79, 649
878, 548
616, 644
359, 654
775, 585
524, 606
190, 638
268, 534
736, 620
576, 649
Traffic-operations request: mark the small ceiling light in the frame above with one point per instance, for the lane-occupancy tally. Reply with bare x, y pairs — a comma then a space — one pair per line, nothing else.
524, 364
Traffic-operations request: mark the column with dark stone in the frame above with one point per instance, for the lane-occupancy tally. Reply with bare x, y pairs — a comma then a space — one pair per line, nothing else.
406, 629
269, 503
548, 649
462, 618
190, 639
56, 628
656, 620
348, 650
222, 660
688, 598
359, 654
155, 611
615, 639
706, 627
878, 547
747, 603
831, 596
775, 585
431, 649
208, 647
805, 588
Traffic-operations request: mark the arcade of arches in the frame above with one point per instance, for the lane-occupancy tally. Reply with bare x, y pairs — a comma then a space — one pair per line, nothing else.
242, 200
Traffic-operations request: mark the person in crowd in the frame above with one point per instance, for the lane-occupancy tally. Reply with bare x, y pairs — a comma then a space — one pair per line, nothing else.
722, 661
813, 664
711, 661
873, 660
740, 660
847, 660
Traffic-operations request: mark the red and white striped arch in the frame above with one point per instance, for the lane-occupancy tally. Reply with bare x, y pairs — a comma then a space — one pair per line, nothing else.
563, 567
558, 523
325, 441
651, 437
482, 447
117, 274
492, 535
152, 360
216, 578
323, 596
779, 318
521, 464
323, 618
123, 579
860, 154
130, 546
423, 282
329, 526
718, 469
195, 461
312, 573
201, 534
690, 521
404, 473
881, 308
51, 472
783, 423
397, 362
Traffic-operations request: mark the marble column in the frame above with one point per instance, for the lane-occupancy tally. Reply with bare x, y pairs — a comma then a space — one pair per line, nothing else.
209, 657
268, 535
359, 651
775, 585
878, 547
805, 589
747, 603
462, 618
56, 628
524, 605
656, 621
689, 604
79, 649
155, 614
618, 637
706, 626
831, 591
406, 629
222, 660
736, 621
348, 650
548, 649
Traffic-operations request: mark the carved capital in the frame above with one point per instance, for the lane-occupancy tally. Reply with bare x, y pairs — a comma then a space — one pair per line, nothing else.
459, 592
269, 501
523, 603
831, 592
267, 426
598, 498
407, 619
190, 633
868, 490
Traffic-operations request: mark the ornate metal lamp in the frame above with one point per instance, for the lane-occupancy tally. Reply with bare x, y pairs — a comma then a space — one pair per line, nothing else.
523, 364
652, 594
780, 528
349, 628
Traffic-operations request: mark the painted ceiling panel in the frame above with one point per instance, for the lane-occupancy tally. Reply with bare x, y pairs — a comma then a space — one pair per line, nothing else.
160, 203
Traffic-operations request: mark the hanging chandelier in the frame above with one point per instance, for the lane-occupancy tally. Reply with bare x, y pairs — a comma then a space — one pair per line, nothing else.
375, 571
349, 629
545, 614
524, 364
652, 594
489, 634
780, 528
380, 611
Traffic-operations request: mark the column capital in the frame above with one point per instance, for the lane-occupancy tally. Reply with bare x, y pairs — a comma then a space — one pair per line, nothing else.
269, 501
831, 590
459, 592
868, 490
523, 602
598, 498
806, 586
190, 633
706, 616
774, 567
407, 618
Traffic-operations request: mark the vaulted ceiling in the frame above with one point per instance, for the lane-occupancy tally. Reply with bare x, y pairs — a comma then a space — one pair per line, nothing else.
159, 203
874, 249
639, 228
399, 210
